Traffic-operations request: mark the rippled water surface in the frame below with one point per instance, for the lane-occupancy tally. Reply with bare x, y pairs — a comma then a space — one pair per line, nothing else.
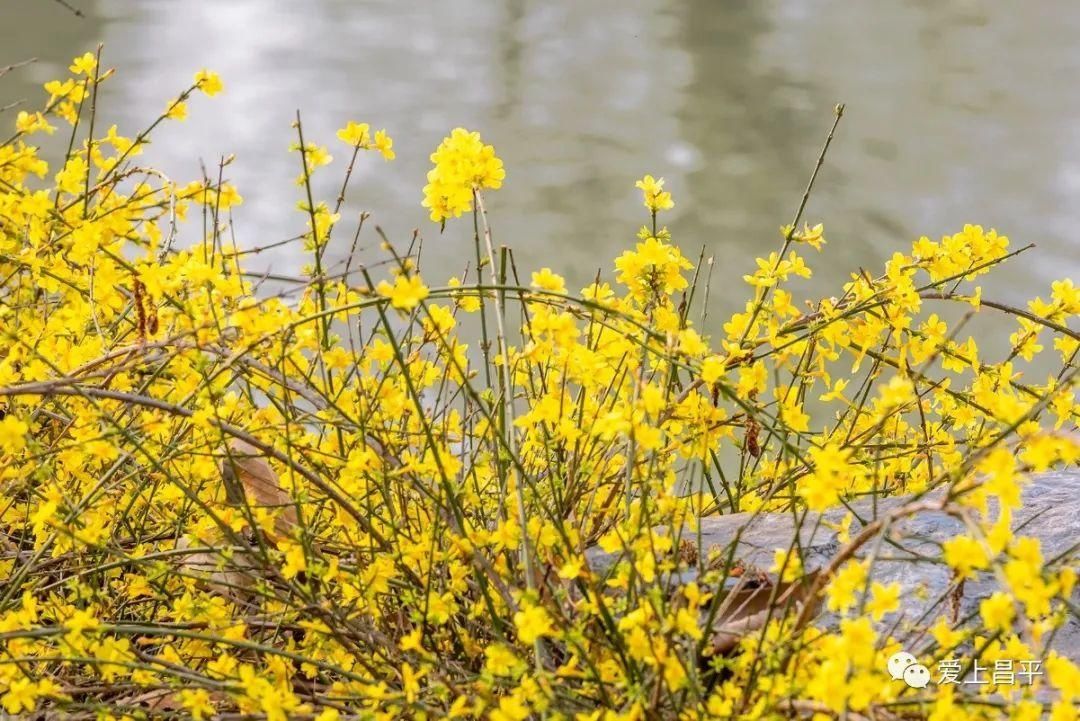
957, 111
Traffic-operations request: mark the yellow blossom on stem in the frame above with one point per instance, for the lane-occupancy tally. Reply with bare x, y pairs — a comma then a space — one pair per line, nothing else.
532, 622
176, 110
406, 292
884, 599
85, 64
814, 236
965, 555
654, 197
384, 144
546, 280
997, 612
209, 82
355, 134
13, 434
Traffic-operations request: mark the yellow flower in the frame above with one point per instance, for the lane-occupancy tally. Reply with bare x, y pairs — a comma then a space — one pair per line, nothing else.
945, 636
462, 164
67, 89
73, 175
468, 302
21, 696
511, 708
1064, 675
886, 599
197, 703
896, 393
176, 110
315, 156
501, 661
836, 392
997, 612
713, 368
355, 134
1064, 711
406, 293
12, 434
832, 474
793, 415
84, 64
572, 568
691, 343
790, 564
966, 555
652, 269
532, 622
209, 82
410, 681
507, 534
546, 280
79, 623
1067, 580
384, 144
849, 580
812, 236
32, 122
295, 558
227, 197
654, 197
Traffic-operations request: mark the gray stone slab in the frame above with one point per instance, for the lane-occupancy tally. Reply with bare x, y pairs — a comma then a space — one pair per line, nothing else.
909, 553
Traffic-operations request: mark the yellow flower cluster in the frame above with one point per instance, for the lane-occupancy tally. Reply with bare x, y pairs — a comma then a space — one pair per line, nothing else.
222, 503
654, 269
463, 164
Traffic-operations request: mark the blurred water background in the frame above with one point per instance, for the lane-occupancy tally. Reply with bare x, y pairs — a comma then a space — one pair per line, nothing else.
957, 111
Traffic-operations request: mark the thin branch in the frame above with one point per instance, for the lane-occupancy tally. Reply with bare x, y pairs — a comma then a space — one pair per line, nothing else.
68, 6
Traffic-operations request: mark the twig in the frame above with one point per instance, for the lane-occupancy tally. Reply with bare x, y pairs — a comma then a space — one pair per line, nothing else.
74, 10
14, 66
839, 111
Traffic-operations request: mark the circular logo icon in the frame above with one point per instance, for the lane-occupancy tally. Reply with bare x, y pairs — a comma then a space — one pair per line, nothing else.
898, 662
916, 675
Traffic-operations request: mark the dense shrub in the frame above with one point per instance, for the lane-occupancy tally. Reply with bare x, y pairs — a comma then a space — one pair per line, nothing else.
336, 501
